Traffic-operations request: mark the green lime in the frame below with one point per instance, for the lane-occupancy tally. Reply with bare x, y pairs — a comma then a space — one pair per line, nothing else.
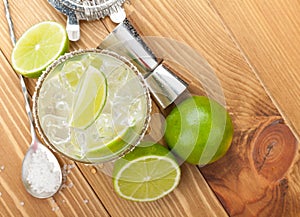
38, 47
73, 69
199, 130
90, 98
71, 73
146, 174
98, 150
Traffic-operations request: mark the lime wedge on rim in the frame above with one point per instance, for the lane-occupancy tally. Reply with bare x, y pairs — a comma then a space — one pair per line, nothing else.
90, 98
146, 174
38, 47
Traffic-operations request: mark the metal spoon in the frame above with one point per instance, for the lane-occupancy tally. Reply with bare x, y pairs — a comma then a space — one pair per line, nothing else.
36, 150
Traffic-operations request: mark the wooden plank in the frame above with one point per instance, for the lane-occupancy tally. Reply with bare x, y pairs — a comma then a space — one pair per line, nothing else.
268, 34
258, 175
15, 139
191, 198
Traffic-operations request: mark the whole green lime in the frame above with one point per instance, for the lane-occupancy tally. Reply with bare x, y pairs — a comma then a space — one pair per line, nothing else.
199, 130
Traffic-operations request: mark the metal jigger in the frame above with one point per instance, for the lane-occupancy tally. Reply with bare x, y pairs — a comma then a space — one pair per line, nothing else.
163, 84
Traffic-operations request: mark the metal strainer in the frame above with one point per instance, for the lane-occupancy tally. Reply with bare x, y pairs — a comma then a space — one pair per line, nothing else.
76, 10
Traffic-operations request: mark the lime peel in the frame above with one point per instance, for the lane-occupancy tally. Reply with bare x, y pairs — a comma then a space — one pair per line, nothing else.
38, 47
199, 130
112, 147
84, 114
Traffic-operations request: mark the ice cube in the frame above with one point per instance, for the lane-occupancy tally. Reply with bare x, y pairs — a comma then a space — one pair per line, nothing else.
56, 128
70, 74
62, 109
50, 88
80, 137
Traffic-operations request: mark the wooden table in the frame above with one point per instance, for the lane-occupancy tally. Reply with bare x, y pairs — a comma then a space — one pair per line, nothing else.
252, 46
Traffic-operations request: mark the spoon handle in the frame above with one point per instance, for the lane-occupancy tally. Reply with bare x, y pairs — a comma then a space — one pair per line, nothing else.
10, 23
23, 85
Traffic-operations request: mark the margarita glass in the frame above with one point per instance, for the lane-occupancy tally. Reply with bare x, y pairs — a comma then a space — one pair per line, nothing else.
92, 106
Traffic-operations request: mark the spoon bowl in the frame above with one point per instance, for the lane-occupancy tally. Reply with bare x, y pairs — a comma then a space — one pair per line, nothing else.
46, 182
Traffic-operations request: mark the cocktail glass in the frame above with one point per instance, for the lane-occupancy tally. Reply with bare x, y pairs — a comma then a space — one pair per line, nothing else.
92, 106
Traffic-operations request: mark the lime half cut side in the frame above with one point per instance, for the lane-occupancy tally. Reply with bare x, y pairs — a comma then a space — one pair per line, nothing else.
146, 174
38, 47
90, 98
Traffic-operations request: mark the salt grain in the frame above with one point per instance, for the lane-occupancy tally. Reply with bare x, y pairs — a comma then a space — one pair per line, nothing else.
86, 201
55, 208
22, 203
71, 166
41, 175
0, 194
66, 170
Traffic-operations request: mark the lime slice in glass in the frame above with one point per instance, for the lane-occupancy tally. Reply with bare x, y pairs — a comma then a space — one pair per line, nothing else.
146, 174
38, 47
72, 70
90, 98
96, 152
103, 139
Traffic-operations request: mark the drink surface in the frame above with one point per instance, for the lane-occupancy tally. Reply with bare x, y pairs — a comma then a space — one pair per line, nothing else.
92, 106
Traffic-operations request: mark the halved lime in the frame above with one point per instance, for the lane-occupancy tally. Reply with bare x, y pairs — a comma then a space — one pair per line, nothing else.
38, 47
146, 174
90, 98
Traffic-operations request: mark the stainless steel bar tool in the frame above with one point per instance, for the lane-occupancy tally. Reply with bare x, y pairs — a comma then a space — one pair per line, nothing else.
163, 84
77, 10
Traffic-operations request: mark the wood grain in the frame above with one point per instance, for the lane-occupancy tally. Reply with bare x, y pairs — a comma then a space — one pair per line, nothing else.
192, 197
246, 47
254, 183
248, 182
268, 34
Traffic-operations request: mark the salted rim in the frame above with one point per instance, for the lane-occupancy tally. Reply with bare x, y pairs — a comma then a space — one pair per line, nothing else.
62, 59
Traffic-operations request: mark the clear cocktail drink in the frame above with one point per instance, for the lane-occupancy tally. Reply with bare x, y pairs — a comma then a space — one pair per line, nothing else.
92, 106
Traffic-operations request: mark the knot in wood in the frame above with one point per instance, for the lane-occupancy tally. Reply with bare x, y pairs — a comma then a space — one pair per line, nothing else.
273, 150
